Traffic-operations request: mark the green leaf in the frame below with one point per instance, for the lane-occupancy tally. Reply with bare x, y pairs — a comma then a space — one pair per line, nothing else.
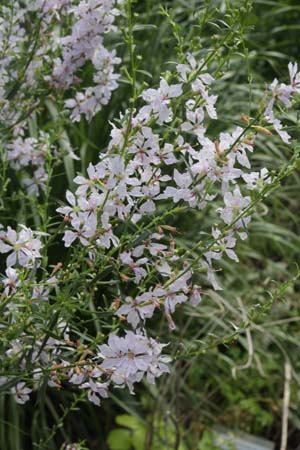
119, 440
138, 438
144, 27
129, 421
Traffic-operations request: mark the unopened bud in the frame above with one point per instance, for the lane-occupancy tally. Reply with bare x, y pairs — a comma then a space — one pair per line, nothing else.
262, 130
89, 263
248, 142
217, 147
169, 228
124, 277
245, 120
86, 352
116, 303
56, 268
57, 367
170, 321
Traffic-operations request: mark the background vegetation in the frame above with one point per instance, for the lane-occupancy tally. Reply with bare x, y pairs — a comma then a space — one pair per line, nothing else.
234, 372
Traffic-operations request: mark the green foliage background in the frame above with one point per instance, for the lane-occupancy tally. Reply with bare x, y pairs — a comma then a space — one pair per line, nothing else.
215, 380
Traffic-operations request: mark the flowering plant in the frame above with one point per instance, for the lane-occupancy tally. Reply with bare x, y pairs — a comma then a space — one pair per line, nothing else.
82, 319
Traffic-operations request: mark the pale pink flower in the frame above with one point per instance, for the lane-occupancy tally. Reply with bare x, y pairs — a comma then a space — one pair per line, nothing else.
159, 100
21, 393
12, 282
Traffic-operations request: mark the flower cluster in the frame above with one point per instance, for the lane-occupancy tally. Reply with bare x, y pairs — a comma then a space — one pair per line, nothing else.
163, 158
64, 54
53, 63
123, 361
140, 173
283, 92
92, 20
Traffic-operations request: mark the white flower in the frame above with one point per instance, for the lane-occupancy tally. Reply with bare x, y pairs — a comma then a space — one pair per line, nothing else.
182, 192
127, 355
51, 5
192, 66
225, 244
134, 265
294, 77
195, 296
211, 276
107, 238
140, 308
95, 174
194, 122
278, 128
96, 390
283, 92
21, 393
85, 226
165, 155
234, 204
256, 180
131, 356
37, 182
117, 137
159, 99
24, 246
144, 146
11, 282
199, 86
